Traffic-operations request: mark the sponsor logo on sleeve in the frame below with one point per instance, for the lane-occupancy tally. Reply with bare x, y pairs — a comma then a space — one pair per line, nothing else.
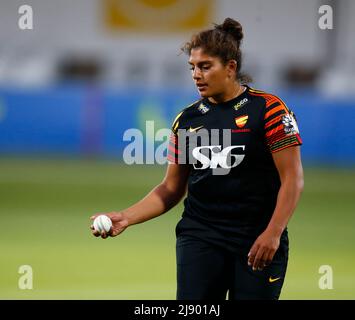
290, 124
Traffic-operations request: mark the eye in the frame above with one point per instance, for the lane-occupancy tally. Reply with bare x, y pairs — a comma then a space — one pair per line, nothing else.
192, 68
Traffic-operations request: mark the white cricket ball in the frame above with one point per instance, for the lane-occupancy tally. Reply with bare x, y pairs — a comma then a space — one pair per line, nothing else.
102, 223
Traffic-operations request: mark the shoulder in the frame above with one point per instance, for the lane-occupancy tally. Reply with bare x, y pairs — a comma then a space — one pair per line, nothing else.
185, 113
269, 99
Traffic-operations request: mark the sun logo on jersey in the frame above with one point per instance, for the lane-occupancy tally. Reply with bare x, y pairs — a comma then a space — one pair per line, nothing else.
241, 121
290, 124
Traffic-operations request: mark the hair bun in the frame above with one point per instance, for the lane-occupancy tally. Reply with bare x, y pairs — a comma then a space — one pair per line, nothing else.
232, 27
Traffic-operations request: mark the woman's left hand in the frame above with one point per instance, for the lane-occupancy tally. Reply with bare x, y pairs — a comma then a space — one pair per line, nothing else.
263, 250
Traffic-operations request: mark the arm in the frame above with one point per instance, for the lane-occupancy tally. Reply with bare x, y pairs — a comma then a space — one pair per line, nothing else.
288, 164
160, 200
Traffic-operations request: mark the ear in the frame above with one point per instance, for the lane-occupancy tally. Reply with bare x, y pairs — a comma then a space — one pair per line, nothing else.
232, 67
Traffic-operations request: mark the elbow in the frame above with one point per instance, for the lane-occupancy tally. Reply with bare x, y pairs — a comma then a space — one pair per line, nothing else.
300, 183
294, 182
170, 196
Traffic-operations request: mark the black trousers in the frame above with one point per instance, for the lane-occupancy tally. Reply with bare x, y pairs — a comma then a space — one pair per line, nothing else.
206, 271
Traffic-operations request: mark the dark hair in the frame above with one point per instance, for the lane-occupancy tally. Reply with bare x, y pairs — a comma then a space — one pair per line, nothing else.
223, 41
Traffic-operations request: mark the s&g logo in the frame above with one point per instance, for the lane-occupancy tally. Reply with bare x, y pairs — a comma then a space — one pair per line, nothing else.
220, 160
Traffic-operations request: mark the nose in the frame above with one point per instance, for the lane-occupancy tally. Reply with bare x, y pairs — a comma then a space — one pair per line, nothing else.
196, 74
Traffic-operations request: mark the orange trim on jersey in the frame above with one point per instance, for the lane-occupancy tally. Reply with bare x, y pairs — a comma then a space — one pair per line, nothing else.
279, 138
275, 135
259, 93
274, 110
296, 143
273, 121
271, 101
270, 98
256, 90
275, 130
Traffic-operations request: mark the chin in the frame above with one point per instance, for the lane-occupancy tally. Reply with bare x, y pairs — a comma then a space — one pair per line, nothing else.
204, 94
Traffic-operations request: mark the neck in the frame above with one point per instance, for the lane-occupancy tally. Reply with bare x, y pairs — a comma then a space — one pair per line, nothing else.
231, 93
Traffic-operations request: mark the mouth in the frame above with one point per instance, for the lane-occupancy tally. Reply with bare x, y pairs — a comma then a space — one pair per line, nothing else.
201, 86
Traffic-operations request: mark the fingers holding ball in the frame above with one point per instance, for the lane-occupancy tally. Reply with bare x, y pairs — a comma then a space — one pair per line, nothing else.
101, 226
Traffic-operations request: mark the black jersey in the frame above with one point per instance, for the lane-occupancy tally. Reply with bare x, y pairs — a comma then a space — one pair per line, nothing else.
233, 183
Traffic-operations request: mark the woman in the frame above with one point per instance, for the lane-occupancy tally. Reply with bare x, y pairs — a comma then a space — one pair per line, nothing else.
244, 180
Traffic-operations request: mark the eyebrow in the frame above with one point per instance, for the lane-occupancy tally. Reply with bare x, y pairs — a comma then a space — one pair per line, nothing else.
201, 62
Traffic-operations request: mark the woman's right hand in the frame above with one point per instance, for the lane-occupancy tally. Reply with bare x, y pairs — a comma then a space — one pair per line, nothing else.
119, 224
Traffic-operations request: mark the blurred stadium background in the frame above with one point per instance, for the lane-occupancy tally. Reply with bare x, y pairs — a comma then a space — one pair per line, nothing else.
91, 69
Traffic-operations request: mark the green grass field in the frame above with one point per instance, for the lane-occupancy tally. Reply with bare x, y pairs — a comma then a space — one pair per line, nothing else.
45, 207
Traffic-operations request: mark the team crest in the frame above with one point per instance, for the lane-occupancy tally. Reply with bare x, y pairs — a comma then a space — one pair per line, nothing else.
241, 121
290, 124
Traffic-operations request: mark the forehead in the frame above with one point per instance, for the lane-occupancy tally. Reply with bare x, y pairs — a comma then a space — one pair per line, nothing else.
197, 55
